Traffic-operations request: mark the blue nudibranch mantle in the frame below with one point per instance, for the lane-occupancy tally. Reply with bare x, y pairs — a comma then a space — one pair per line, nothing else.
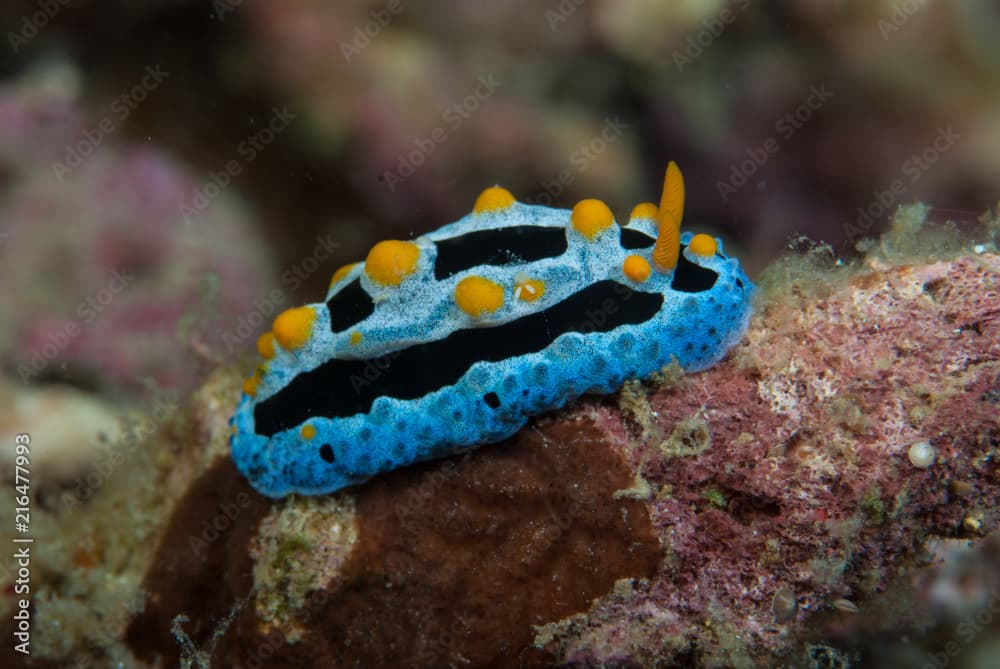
455, 339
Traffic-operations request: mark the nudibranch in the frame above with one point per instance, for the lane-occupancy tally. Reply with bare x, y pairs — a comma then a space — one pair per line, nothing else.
457, 338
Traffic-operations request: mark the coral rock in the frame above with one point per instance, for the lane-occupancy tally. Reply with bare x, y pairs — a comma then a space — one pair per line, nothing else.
726, 518
451, 563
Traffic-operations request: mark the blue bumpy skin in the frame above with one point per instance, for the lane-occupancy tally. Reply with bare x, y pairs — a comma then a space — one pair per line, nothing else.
434, 346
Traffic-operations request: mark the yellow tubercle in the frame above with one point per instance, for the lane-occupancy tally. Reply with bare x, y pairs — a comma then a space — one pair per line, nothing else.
703, 245
391, 261
528, 290
341, 273
590, 217
476, 295
355, 338
308, 432
494, 198
265, 345
293, 327
250, 386
636, 268
643, 210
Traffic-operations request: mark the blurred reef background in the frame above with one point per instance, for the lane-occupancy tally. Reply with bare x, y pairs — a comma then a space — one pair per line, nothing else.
210, 147
174, 173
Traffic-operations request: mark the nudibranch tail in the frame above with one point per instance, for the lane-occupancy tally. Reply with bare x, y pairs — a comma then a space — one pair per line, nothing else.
436, 345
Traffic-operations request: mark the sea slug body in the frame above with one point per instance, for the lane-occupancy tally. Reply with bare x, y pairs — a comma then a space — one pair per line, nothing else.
455, 339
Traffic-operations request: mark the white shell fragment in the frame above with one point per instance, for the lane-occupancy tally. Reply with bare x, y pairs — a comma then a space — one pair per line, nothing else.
921, 454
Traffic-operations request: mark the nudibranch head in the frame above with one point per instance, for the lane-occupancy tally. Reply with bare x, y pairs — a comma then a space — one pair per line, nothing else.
455, 339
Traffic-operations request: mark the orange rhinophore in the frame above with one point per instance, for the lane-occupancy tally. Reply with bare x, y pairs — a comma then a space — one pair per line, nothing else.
668, 216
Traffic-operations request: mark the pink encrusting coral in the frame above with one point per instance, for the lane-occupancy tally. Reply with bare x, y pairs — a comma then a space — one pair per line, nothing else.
110, 278
786, 468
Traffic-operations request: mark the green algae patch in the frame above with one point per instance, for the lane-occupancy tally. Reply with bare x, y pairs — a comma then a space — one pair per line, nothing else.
690, 436
300, 548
